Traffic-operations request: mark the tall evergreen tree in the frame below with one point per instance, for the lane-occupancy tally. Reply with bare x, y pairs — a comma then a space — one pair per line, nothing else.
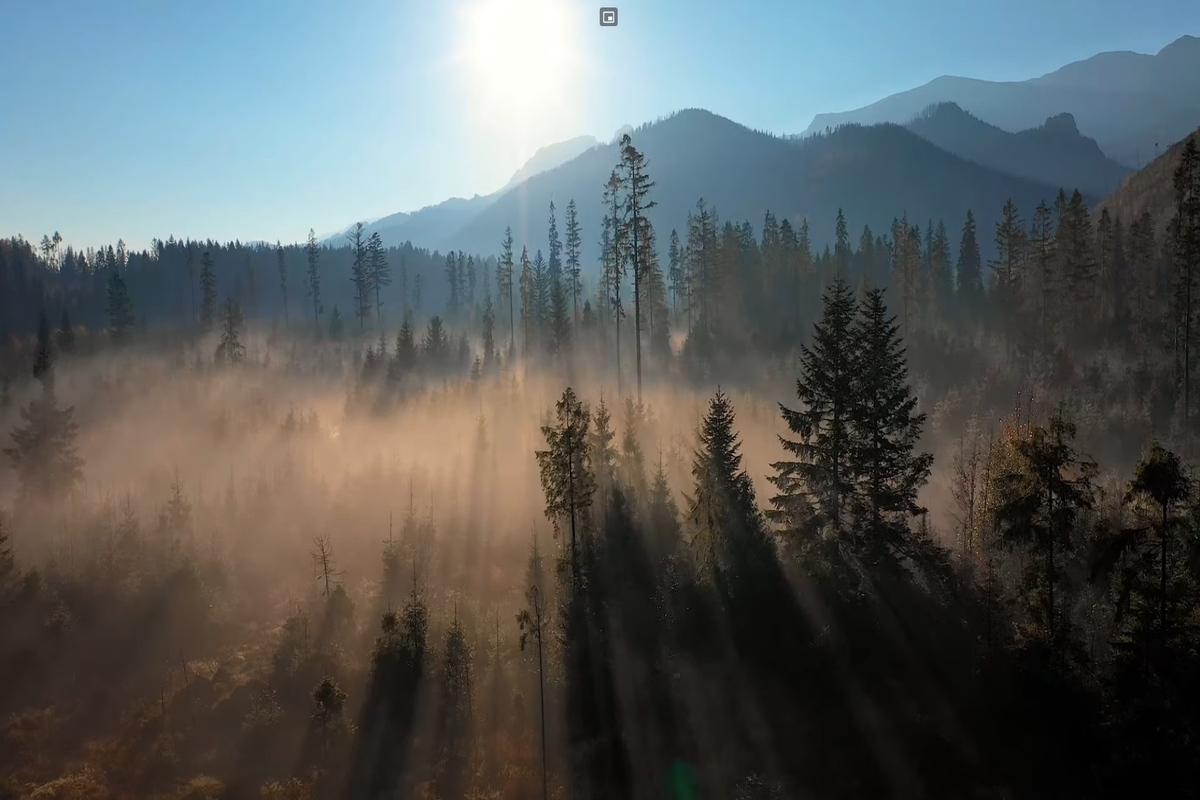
970, 269
283, 286
379, 273
636, 184
885, 430
43, 357
815, 487
574, 272
231, 350
65, 338
314, 277
44, 453
360, 274
504, 284
566, 475
208, 292
120, 307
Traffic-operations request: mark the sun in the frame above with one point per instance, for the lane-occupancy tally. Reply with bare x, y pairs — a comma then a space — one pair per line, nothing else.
520, 57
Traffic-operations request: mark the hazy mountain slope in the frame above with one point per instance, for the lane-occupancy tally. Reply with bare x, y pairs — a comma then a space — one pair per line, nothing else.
1054, 152
551, 156
436, 222
1151, 189
1125, 101
873, 173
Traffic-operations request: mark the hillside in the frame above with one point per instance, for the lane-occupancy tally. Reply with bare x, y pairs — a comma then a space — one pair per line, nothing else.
873, 173
1054, 152
439, 221
1150, 189
1125, 101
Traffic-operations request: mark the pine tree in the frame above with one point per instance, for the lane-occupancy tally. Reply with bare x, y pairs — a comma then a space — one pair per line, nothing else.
190, 269
841, 249
1041, 496
378, 272
65, 338
44, 453
1008, 268
722, 513
528, 300
636, 184
816, 487
231, 350
328, 703
43, 358
885, 429
336, 326
612, 252
435, 347
573, 253
504, 284
120, 307
532, 623
208, 292
314, 277
283, 287
360, 275
541, 301
675, 277
404, 359
969, 271
566, 476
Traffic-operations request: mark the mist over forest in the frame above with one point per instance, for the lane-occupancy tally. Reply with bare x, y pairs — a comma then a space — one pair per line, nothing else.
732, 514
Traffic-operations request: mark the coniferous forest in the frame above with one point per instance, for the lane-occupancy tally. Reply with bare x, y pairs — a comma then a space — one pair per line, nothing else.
726, 515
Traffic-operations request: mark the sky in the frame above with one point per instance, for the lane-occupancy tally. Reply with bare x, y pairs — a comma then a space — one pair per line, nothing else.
258, 119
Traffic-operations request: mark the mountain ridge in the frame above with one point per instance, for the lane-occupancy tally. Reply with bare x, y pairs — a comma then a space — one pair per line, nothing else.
1126, 101
1055, 152
874, 173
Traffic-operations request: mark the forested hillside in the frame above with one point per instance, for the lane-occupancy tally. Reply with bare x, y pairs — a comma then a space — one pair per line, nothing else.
743, 516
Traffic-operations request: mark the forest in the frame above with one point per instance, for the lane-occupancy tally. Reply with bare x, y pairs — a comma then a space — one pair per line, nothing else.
722, 516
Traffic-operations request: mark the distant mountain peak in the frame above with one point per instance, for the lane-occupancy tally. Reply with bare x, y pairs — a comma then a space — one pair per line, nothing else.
1062, 124
551, 156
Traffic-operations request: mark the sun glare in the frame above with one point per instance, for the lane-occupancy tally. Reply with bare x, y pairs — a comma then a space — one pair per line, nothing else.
520, 58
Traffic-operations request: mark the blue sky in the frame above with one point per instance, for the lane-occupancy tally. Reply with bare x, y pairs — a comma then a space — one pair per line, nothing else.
255, 119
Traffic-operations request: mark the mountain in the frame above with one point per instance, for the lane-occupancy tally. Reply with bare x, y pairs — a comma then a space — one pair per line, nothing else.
550, 157
874, 173
436, 222
1126, 101
1151, 189
1054, 152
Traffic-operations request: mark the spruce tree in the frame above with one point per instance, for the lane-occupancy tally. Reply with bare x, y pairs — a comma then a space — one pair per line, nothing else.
65, 337
636, 184
43, 357
528, 310
723, 513
283, 287
231, 350
566, 475
885, 429
336, 325
969, 270
120, 307
504, 284
816, 486
208, 292
44, 453
531, 621
313, 252
574, 246
379, 273
360, 275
